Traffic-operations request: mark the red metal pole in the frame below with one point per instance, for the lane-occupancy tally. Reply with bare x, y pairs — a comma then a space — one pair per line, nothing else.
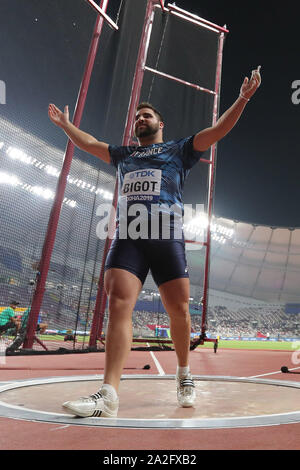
102, 13
211, 184
162, 4
179, 80
191, 16
101, 299
61, 186
139, 72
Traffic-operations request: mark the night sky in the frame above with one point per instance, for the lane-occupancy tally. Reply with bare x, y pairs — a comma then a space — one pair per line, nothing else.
257, 178
258, 162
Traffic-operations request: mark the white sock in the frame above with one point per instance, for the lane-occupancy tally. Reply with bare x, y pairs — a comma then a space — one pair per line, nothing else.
110, 391
182, 371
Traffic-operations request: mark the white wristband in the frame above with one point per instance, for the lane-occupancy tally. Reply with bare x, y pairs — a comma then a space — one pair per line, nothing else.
244, 97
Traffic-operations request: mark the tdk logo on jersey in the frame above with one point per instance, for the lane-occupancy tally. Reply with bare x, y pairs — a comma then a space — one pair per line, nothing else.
142, 173
142, 185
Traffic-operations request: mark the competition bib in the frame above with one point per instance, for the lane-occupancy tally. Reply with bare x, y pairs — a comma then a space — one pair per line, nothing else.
142, 185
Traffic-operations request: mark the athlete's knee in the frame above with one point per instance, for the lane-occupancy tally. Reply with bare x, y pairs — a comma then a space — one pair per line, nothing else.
179, 310
121, 283
120, 305
122, 289
119, 302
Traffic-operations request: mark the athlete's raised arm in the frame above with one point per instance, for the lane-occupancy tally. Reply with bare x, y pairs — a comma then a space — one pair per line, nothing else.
207, 137
81, 139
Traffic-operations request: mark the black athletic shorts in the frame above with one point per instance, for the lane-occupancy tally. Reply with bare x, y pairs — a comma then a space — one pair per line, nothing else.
7, 326
165, 259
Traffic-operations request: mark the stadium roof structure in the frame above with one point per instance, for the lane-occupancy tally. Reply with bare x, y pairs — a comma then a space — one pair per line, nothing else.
258, 261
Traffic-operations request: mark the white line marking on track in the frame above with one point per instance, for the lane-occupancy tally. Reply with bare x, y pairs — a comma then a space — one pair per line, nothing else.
157, 363
60, 427
263, 375
270, 373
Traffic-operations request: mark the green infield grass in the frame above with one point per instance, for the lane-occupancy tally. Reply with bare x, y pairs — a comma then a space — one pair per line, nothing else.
223, 344
264, 345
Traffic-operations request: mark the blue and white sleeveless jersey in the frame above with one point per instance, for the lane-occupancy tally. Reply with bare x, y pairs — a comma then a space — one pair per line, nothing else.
154, 175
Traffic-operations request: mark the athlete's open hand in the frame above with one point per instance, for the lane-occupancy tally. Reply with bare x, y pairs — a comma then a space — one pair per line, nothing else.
58, 117
249, 87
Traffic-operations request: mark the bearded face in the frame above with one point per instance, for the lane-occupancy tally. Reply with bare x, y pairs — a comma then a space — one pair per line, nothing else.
146, 123
145, 130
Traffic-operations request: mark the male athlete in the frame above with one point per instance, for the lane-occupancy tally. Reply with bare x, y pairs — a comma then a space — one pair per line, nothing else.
151, 174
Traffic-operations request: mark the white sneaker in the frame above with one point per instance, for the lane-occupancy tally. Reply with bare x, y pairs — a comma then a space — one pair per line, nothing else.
98, 404
186, 392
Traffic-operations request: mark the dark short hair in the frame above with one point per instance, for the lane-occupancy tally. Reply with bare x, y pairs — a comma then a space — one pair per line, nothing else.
145, 104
